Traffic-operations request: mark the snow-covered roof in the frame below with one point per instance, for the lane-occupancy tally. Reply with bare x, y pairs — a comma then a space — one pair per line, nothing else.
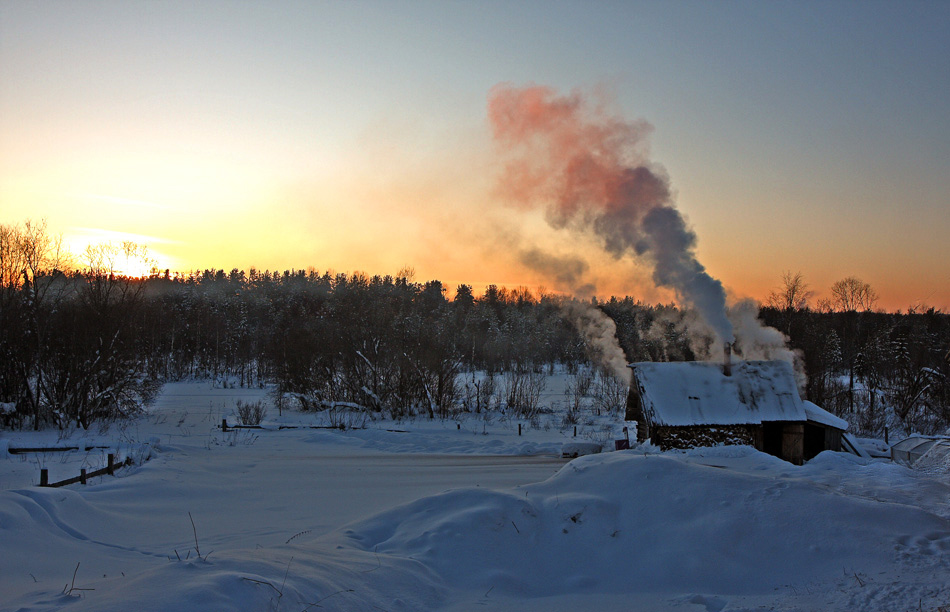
820, 415
694, 393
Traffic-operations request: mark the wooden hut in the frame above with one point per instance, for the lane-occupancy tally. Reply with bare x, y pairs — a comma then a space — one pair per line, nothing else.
690, 404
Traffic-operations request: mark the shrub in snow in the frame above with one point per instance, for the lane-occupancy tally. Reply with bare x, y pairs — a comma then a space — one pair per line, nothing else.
251, 413
341, 415
523, 391
570, 418
485, 391
578, 386
610, 394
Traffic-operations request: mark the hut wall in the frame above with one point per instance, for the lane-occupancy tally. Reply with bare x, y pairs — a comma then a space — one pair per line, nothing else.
770, 438
820, 438
635, 413
833, 439
793, 442
703, 435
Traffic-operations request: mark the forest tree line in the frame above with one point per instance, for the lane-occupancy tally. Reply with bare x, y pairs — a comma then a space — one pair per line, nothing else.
83, 345
873, 368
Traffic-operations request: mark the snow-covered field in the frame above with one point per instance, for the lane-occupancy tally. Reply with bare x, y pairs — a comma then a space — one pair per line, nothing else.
457, 515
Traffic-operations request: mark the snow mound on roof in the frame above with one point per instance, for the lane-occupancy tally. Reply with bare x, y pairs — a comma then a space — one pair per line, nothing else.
820, 415
695, 393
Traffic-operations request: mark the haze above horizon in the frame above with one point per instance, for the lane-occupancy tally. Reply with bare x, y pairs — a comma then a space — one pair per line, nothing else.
796, 136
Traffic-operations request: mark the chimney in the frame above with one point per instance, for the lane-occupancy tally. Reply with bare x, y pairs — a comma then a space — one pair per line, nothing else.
727, 359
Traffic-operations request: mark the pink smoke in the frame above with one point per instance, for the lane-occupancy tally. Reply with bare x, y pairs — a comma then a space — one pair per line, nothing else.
591, 173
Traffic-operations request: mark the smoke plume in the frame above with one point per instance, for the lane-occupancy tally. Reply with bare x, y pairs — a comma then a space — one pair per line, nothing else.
600, 333
568, 271
590, 172
756, 341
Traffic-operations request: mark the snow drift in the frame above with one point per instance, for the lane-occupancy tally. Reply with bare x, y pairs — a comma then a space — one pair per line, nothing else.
725, 528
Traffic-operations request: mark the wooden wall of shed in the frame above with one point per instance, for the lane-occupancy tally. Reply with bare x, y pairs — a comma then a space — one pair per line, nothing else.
703, 435
635, 412
833, 439
820, 438
783, 439
793, 442
770, 438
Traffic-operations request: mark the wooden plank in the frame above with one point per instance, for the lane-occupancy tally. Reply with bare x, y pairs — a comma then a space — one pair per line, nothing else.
83, 475
53, 449
793, 442
48, 449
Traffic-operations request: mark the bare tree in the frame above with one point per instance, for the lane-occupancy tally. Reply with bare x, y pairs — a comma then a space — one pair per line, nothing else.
12, 261
792, 295
44, 287
42, 255
824, 306
791, 298
851, 294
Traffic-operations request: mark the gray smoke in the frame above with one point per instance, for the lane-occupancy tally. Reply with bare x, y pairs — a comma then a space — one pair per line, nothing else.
590, 174
567, 271
600, 334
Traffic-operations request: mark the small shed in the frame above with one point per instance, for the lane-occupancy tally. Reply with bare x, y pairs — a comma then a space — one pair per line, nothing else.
690, 404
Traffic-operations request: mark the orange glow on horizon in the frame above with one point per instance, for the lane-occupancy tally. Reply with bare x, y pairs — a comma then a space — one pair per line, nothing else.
477, 259
613, 278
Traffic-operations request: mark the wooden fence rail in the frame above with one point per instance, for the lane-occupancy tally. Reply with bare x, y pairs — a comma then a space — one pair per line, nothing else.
226, 428
83, 475
51, 449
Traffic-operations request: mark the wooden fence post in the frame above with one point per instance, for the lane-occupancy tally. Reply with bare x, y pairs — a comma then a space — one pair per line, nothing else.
82, 475
519, 429
111, 464
44, 477
224, 424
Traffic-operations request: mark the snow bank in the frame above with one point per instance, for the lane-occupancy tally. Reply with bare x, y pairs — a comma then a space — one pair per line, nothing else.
623, 523
735, 527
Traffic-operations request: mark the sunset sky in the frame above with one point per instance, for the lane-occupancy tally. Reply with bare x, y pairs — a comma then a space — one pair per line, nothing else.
809, 137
